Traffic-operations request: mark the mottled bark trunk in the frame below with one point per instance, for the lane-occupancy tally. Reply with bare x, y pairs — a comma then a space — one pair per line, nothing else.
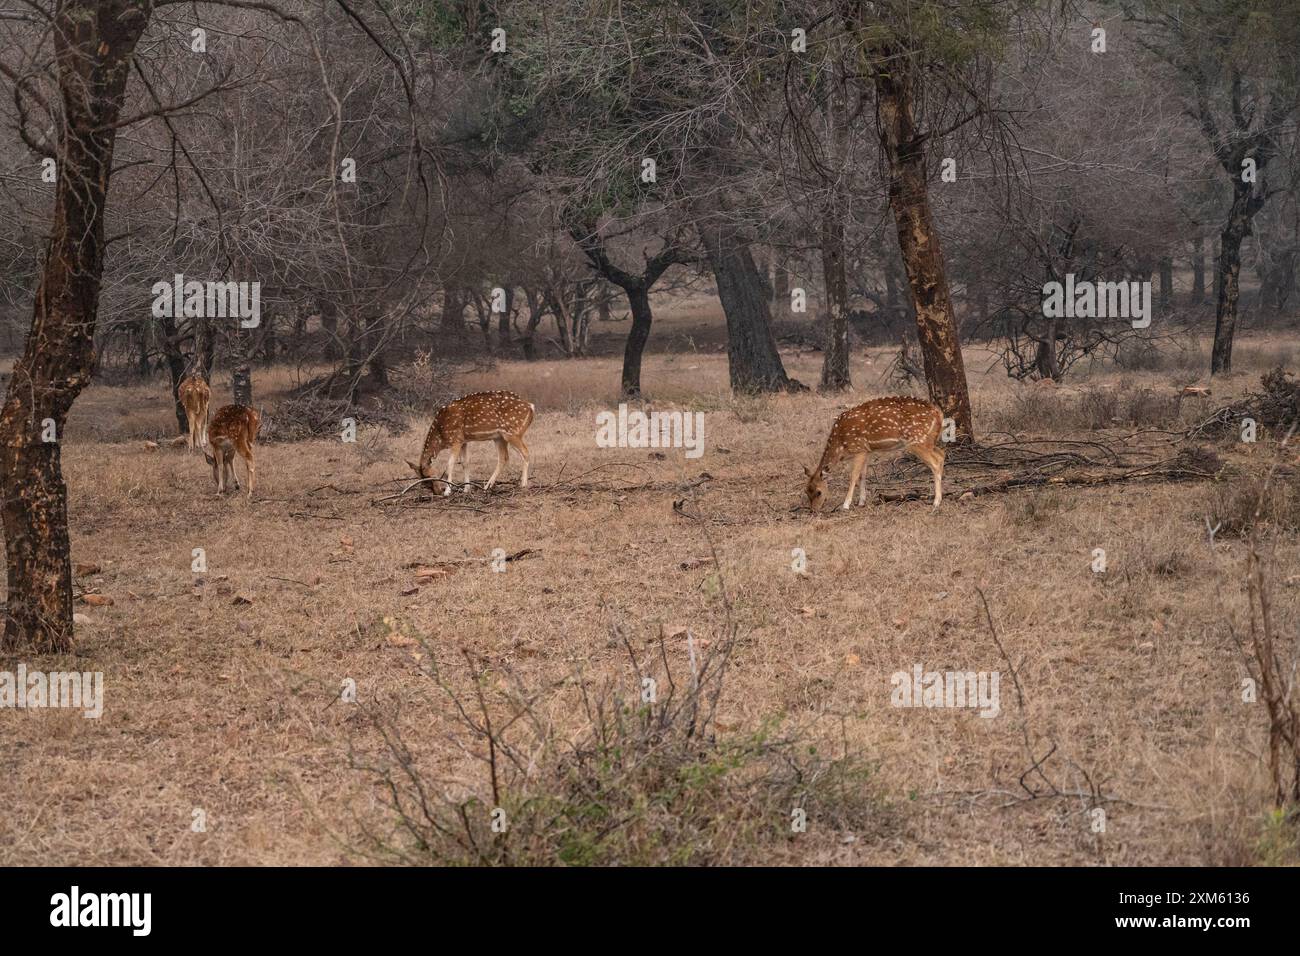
909, 199
1229, 279
93, 44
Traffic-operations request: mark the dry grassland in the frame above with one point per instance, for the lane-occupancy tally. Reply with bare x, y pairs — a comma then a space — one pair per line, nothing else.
222, 688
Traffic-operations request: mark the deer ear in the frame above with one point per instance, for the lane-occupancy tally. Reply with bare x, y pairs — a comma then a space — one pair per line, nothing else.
414, 467
210, 459
806, 472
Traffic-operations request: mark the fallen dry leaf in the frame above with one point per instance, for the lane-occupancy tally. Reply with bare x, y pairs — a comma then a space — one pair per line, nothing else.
96, 600
241, 600
85, 570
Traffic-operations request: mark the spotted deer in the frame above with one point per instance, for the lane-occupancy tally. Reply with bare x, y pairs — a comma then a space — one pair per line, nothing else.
233, 430
882, 424
501, 417
194, 394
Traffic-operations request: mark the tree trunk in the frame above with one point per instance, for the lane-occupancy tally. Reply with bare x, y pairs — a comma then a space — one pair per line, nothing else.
835, 361
93, 44
329, 323
142, 344
918, 240
638, 299
1229, 269
1166, 282
241, 383
781, 284
503, 323
1198, 271
752, 357
176, 367
453, 311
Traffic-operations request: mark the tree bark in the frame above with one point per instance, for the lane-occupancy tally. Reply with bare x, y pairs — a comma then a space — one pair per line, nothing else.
176, 366
752, 357
1198, 271
638, 299
636, 287
1229, 282
918, 240
93, 43
835, 361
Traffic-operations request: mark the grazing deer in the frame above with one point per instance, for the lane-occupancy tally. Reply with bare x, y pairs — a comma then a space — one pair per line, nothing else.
882, 424
194, 394
233, 429
502, 417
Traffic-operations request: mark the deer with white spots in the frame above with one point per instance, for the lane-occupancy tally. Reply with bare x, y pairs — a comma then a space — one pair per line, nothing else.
233, 431
500, 417
195, 394
882, 424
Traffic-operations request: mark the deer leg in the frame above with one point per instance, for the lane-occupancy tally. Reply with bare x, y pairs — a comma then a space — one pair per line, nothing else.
932, 458
252, 469
518, 443
503, 456
858, 462
220, 469
451, 468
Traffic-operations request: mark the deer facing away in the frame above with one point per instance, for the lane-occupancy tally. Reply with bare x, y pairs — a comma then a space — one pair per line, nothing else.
194, 394
233, 431
882, 424
500, 417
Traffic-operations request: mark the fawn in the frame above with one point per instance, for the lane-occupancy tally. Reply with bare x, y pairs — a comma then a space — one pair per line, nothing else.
233, 429
502, 417
882, 424
194, 394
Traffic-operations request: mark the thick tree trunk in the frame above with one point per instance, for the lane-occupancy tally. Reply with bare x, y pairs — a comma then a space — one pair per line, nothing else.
93, 44
918, 240
1166, 282
753, 359
638, 299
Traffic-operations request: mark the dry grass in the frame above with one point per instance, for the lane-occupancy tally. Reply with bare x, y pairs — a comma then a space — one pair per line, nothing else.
234, 708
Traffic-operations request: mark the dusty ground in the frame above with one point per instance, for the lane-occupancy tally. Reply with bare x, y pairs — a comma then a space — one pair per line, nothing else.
232, 708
